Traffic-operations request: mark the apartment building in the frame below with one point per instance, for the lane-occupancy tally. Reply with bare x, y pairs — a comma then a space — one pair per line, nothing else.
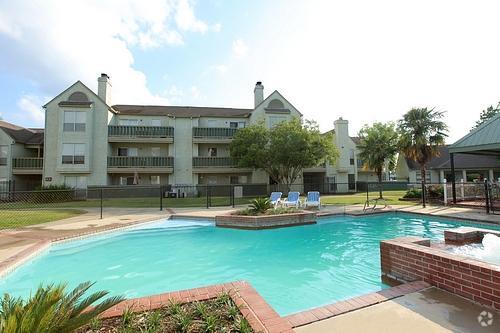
21, 157
89, 141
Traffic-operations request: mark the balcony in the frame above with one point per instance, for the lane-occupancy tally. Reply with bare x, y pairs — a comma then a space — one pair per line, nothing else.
27, 165
153, 134
213, 134
146, 164
206, 164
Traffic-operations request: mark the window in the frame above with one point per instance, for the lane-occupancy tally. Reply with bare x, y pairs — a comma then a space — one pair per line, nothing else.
360, 163
234, 180
73, 153
212, 152
3, 155
129, 122
212, 123
427, 176
74, 121
126, 180
155, 151
155, 122
236, 124
275, 104
76, 181
273, 121
126, 151
351, 180
351, 157
155, 180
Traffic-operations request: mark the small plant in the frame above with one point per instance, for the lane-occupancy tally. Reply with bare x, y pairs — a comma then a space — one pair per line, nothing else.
127, 317
53, 310
201, 309
233, 312
224, 299
260, 205
242, 326
174, 308
183, 321
95, 324
210, 324
153, 322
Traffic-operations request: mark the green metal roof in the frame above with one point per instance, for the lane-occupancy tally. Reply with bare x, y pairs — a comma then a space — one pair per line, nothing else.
485, 139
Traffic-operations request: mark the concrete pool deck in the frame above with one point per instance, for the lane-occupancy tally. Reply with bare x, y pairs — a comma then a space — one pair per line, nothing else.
429, 310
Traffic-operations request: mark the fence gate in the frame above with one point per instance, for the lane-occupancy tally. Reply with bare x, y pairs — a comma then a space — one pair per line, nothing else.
494, 197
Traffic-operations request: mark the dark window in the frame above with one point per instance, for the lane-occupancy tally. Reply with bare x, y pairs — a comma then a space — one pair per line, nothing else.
233, 124
352, 181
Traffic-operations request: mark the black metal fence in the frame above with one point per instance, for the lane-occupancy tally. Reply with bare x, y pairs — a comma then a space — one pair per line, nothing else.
20, 208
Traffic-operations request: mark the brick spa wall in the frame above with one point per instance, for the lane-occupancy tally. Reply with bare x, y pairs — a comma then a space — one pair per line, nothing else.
408, 259
265, 221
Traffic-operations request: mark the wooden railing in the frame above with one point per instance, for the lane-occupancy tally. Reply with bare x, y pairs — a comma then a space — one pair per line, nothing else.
141, 131
212, 162
214, 132
27, 163
140, 161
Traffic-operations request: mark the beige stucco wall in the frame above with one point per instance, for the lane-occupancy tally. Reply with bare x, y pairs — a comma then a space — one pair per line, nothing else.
94, 138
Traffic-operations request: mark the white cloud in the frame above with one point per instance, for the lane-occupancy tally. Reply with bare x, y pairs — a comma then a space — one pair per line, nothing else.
185, 18
53, 44
31, 109
240, 48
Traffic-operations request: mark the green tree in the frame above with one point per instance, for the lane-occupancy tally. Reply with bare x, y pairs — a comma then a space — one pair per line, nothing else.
284, 150
378, 146
52, 310
422, 132
490, 112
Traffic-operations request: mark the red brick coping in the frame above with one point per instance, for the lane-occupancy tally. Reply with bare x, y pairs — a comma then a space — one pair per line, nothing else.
265, 221
411, 258
466, 235
356, 303
253, 307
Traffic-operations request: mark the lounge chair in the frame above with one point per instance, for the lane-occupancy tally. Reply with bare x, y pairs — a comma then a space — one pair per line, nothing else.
275, 198
313, 199
292, 200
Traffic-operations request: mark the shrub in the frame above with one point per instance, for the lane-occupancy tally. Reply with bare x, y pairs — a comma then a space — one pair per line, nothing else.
435, 191
413, 194
53, 310
260, 205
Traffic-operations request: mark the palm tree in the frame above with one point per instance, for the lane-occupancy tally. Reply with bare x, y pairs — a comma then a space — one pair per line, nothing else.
421, 134
51, 309
378, 145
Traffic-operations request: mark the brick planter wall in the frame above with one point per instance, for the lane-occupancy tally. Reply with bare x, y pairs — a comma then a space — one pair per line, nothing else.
265, 221
410, 259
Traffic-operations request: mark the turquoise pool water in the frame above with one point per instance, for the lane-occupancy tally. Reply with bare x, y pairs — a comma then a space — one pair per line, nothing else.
292, 268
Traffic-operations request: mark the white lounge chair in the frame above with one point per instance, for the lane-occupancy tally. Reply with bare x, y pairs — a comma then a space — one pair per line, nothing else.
313, 199
292, 200
275, 198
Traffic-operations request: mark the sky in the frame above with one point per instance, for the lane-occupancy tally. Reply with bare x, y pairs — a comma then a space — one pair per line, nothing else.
365, 61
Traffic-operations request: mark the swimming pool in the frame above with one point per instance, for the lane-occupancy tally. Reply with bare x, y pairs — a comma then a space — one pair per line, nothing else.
294, 268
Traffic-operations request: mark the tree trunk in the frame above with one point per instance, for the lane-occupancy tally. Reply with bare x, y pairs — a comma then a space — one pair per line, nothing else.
379, 175
423, 175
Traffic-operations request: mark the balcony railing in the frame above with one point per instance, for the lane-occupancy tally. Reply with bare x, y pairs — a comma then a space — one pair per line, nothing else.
140, 161
214, 132
141, 131
212, 162
27, 163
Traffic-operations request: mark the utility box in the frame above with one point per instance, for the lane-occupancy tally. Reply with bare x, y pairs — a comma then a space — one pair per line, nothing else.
238, 191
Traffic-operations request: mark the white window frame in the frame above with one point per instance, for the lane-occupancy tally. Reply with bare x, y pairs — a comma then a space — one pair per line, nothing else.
73, 153
4, 154
74, 121
156, 180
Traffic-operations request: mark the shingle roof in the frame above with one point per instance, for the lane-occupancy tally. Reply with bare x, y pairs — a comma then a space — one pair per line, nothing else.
462, 161
181, 111
485, 137
21, 134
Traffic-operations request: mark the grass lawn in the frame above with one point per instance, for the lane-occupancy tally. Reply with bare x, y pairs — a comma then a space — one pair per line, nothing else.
391, 197
19, 218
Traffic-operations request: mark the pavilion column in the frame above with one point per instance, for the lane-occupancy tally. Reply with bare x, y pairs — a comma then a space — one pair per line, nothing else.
464, 175
453, 185
490, 175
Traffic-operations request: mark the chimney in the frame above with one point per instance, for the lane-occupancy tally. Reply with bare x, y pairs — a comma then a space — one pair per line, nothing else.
341, 139
104, 88
258, 93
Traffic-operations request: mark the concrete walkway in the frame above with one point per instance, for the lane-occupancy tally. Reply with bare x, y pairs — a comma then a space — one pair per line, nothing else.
430, 310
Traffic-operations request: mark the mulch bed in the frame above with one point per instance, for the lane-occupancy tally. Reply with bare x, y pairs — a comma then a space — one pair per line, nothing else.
214, 315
